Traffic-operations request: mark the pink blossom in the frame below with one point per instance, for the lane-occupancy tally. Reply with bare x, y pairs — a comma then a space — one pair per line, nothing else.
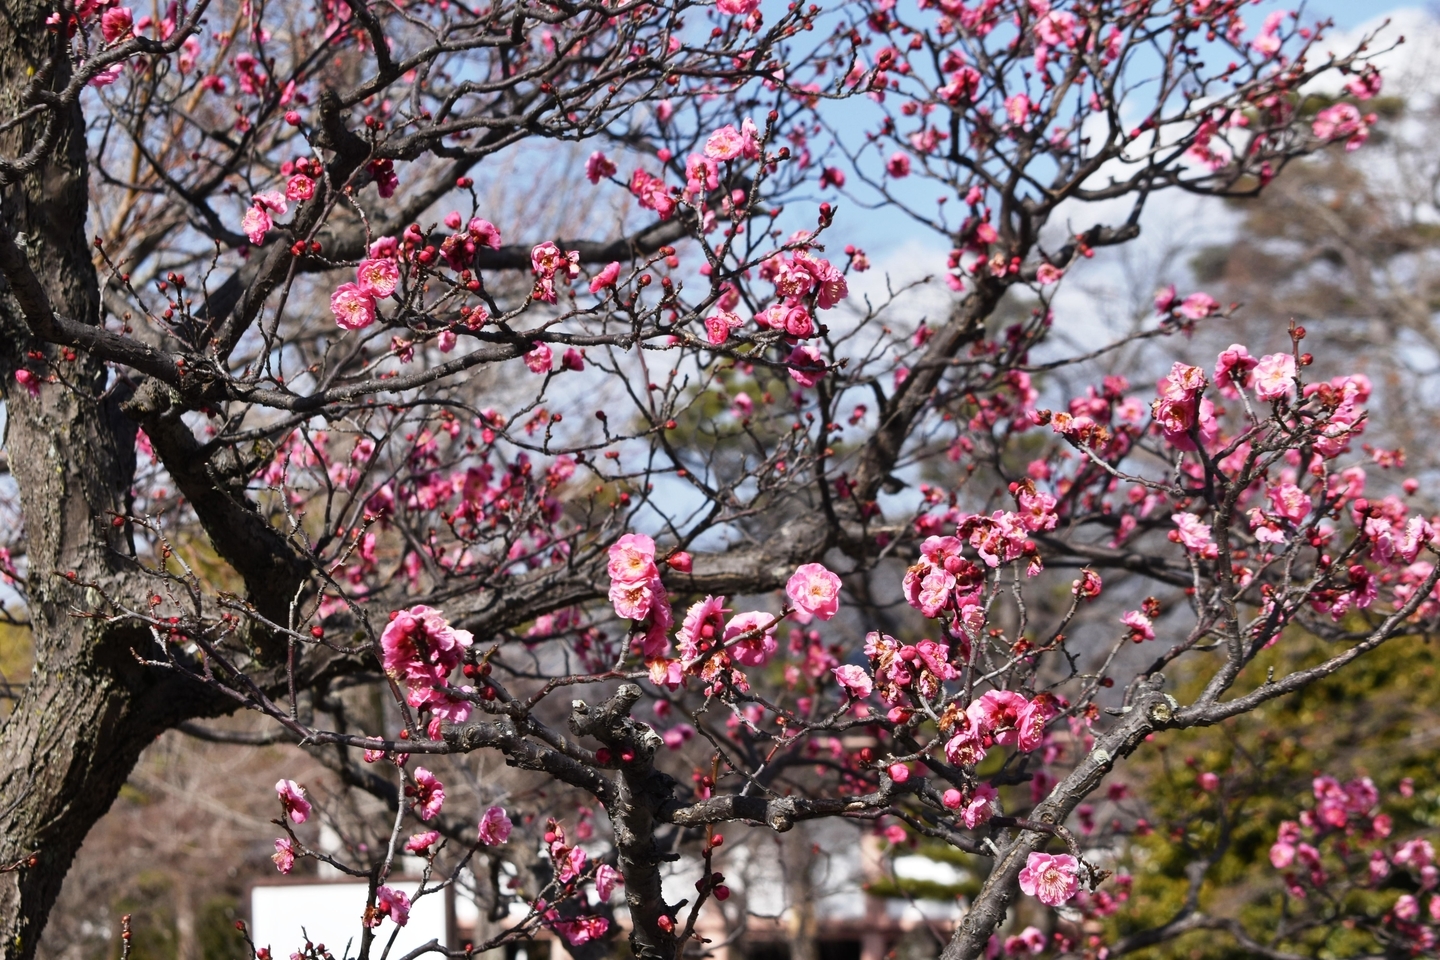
1051, 879
419, 644
421, 843
606, 879
1032, 720
606, 277
1232, 370
28, 380
1275, 377
377, 278
255, 224
284, 855
445, 341
484, 233
584, 929
805, 365
1197, 306
998, 713
299, 187
814, 590
1343, 120
704, 623
572, 360
540, 359
1165, 299
1208, 781
633, 600
353, 309
632, 559
116, 24
109, 75
292, 798
727, 143
1195, 535
737, 8
1407, 907
495, 827
1048, 274
855, 680
1017, 108
980, 807
898, 165
758, 647
598, 166
549, 263
718, 326
1364, 85
428, 793
1141, 627
391, 903
1289, 501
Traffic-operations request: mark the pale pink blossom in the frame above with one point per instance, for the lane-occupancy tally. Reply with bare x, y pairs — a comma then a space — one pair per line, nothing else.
108, 76
1017, 108
1047, 274
255, 224
1275, 377
758, 645
1197, 306
1194, 534
633, 600
727, 143
1342, 121
353, 309
1364, 85
814, 591
495, 827
1052, 879
284, 855
632, 559
1289, 501
855, 680
292, 798
1141, 627
606, 879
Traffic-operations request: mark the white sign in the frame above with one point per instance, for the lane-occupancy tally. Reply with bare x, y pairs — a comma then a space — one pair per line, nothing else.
284, 915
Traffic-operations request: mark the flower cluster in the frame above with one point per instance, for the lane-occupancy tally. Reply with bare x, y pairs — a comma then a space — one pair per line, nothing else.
420, 649
354, 303
997, 718
638, 595
550, 263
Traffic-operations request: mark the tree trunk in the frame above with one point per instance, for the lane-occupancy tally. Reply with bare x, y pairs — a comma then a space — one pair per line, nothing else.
89, 708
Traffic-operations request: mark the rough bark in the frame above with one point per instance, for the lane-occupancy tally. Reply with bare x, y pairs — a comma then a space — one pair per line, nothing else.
90, 707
